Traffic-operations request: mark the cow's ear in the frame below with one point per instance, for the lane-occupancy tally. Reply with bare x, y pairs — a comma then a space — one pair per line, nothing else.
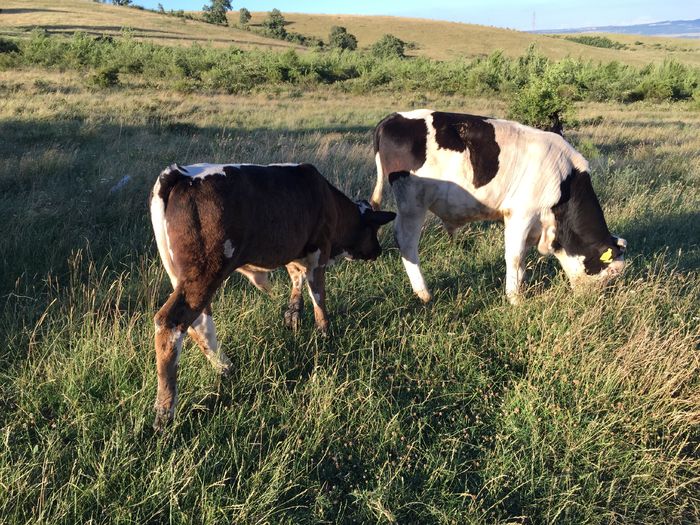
546, 240
377, 218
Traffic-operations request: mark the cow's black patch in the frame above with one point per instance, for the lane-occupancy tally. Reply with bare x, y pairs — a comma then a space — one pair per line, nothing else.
581, 227
401, 143
396, 175
457, 132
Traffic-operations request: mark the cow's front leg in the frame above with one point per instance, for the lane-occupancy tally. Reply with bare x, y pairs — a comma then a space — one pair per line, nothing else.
295, 308
316, 280
407, 231
516, 232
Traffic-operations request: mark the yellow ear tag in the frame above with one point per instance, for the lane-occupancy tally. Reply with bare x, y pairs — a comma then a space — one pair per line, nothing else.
607, 256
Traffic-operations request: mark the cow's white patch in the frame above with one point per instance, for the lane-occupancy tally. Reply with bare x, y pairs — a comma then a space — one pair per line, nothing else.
202, 171
160, 229
229, 248
573, 267
416, 113
285, 164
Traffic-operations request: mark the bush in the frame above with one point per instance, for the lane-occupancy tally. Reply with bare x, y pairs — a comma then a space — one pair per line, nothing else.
388, 46
105, 77
340, 38
274, 24
216, 12
8, 46
597, 41
541, 104
244, 17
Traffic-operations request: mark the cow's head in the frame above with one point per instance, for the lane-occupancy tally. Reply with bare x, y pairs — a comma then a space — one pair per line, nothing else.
576, 233
583, 263
365, 244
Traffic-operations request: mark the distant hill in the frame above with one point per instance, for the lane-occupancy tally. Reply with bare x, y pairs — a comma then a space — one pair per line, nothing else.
671, 28
434, 39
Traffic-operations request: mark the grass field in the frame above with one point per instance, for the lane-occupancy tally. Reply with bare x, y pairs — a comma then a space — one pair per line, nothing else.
568, 409
434, 39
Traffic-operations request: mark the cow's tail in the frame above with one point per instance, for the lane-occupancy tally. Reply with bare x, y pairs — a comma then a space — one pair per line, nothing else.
159, 202
376, 200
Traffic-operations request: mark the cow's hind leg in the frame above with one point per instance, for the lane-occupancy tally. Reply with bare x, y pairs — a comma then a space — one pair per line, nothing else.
171, 322
203, 332
295, 308
517, 229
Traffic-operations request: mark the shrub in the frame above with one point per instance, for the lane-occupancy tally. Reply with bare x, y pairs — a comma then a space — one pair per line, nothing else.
540, 104
274, 24
105, 77
244, 17
596, 41
388, 46
8, 46
340, 38
216, 12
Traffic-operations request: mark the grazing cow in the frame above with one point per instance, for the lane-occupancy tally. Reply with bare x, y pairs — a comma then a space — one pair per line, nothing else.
465, 168
210, 220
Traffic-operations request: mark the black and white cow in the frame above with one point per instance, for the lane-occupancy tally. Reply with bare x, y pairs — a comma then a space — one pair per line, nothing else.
465, 168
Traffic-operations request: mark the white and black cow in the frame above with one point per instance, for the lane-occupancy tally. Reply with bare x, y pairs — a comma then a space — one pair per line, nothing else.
211, 220
465, 168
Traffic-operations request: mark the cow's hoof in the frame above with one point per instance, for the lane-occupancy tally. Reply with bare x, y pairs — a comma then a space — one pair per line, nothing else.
515, 299
424, 295
163, 418
292, 319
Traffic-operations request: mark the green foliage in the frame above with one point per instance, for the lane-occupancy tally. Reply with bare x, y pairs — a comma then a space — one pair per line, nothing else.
122, 2
530, 78
339, 38
105, 77
597, 41
540, 104
215, 13
244, 16
274, 24
388, 46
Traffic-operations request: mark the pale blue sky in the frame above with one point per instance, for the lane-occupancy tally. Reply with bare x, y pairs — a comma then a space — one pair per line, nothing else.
516, 14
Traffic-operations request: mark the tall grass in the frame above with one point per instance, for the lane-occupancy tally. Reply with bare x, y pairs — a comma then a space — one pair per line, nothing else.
570, 409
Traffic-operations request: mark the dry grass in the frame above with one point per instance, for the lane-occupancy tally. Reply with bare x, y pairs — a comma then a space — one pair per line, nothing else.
446, 40
69, 16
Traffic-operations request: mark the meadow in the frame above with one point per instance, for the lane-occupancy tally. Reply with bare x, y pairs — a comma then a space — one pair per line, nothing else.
572, 408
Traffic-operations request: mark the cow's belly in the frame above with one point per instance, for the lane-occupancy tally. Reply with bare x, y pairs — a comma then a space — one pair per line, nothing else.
451, 197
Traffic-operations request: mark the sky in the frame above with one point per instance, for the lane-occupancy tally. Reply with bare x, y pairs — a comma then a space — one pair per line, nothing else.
515, 14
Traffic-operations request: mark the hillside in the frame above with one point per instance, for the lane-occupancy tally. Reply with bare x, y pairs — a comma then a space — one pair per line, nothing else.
670, 28
69, 16
434, 39
446, 40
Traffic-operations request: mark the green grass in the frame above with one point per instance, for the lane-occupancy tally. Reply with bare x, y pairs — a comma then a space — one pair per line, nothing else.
569, 409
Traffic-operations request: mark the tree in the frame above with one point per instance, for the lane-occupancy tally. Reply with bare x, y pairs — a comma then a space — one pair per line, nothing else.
274, 24
121, 2
388, 46
216, 12
244, 16
341, 39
